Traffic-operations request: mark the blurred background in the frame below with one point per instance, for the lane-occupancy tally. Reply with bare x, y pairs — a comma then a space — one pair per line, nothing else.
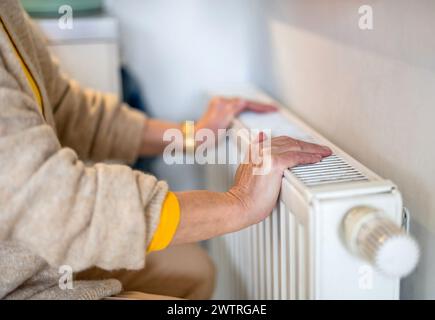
371, 92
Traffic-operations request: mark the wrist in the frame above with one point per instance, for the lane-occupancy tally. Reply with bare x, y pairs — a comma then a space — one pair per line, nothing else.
239, 203
142, 144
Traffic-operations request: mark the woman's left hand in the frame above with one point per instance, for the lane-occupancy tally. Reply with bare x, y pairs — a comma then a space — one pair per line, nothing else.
221, 112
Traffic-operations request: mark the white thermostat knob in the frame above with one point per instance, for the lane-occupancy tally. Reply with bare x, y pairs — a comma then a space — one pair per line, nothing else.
371, 234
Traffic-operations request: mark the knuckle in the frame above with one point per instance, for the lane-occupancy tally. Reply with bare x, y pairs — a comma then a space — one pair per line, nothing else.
300, 145
216, 99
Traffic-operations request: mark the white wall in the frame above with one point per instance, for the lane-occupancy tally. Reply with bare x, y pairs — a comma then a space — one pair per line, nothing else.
371, 92
179, 50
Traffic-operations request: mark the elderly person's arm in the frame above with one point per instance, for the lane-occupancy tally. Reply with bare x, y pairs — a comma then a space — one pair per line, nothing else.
251, 199
61, 209
104, 215
219, 115
99, 127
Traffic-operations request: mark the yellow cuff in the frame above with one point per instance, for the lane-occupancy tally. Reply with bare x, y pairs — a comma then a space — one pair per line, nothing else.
169, 220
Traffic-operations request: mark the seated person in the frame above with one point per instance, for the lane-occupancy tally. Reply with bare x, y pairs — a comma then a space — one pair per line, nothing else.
104, 220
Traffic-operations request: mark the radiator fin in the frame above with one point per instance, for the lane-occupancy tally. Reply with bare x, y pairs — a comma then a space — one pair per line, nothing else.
330, 170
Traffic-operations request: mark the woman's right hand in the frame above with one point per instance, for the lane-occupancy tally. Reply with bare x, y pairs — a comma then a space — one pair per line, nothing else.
258, 193
206, 214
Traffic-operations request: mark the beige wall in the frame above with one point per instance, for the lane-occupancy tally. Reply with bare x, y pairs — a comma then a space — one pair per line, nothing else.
371, 92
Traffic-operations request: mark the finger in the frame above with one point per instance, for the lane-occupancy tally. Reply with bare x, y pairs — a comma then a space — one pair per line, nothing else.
258, 138
243, 105
284, 144
306, 148
292, 159
282, 140
260, 107
256, 146
261, 137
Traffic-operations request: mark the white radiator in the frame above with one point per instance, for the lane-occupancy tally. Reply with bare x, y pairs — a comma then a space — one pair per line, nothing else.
336, 232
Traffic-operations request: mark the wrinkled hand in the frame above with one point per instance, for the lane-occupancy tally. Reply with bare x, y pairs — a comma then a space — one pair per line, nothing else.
258, 194
221, 112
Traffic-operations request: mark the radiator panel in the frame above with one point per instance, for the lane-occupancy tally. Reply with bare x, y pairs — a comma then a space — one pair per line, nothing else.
298, 252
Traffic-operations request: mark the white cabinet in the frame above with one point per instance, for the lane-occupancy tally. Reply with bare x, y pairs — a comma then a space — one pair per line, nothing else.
89, 52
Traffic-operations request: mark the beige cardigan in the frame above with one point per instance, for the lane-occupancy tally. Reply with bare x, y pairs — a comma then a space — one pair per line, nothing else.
55, 210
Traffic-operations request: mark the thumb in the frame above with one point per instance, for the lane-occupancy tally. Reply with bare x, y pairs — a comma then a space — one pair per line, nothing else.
255, 149
260, 138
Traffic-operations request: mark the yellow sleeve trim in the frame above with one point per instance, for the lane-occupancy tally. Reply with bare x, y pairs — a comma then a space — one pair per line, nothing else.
26, 70
169, 220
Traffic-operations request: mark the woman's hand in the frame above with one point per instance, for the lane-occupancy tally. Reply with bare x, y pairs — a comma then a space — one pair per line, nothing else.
206, 214
221, 112
258, 194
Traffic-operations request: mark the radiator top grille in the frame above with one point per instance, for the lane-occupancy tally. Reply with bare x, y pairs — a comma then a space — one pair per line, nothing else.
330, 170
